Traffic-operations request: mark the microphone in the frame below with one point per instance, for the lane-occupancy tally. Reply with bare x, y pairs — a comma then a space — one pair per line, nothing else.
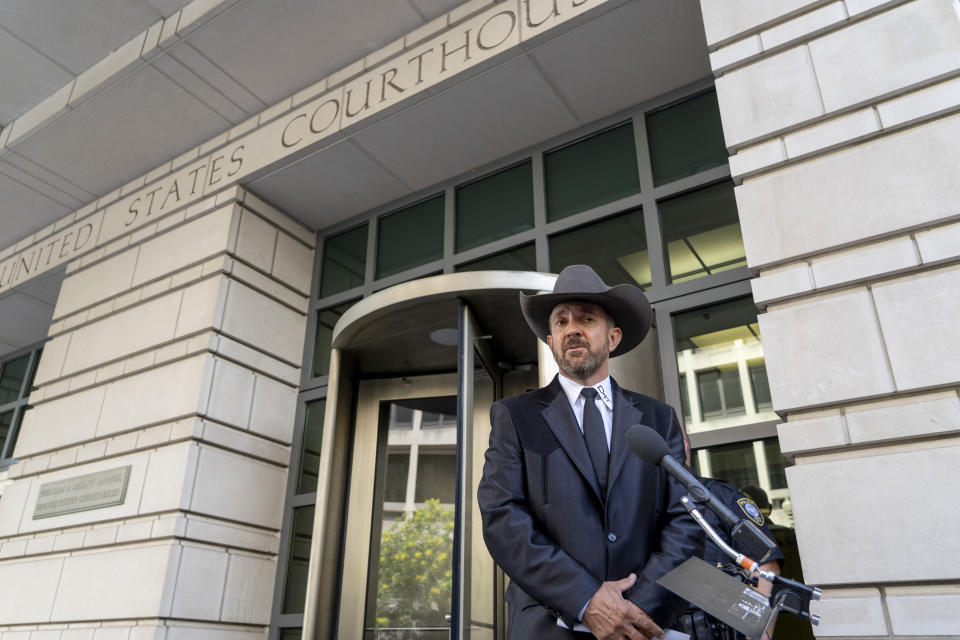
650, 447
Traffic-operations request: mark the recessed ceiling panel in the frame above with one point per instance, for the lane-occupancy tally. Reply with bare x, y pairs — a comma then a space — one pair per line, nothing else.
26, 77
487, 117
279, 47
167, 7
435, 8
24, 211
133, 127
330, 186
76, 33
45, 288
630, 54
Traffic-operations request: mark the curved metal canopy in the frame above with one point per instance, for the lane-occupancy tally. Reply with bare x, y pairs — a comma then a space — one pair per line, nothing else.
403, 330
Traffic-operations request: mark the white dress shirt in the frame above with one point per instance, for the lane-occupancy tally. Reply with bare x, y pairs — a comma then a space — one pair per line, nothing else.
604, 401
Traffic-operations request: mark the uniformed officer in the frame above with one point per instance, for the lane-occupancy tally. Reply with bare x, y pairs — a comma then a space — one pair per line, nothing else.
742, 506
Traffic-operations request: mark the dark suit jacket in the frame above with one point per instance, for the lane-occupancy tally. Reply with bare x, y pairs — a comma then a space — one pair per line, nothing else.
546, 524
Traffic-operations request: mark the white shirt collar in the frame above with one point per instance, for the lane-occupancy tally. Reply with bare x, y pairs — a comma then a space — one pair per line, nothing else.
572, 390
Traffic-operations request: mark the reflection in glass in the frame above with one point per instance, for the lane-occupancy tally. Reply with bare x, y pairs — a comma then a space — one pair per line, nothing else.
344, 261
701, 232
312, 437
684, 401
398, 469
591, 172
723, 379
411, 569
401, 417
734, 463
756, 466
326, 321
686, 138
494, 207
291, 633
616, 247
410, 237
776, 464
436, 476
433, 420
720, 392
523, 258
295, 591
11, 378
758, 382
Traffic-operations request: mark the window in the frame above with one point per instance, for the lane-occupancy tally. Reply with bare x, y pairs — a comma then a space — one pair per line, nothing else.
410, 237
750, 466
344, 261
615, 247
720, 361
298, 560
686, 138
591, 172
701, 233
12, 376
310, 446
16, 380
494, 207
522, 258
326, 321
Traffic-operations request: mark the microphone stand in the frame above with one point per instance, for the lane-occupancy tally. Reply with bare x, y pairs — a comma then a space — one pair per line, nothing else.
786, 595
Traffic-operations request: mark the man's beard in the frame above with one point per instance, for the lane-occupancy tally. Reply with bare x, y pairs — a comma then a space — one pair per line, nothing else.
586, 366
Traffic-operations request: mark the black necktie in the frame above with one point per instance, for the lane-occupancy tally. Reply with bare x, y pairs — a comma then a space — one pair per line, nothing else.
596, 436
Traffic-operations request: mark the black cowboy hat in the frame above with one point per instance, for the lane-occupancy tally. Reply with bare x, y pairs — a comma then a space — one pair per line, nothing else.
625, 303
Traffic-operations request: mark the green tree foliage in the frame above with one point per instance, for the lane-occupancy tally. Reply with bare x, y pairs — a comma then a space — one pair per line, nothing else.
415, 569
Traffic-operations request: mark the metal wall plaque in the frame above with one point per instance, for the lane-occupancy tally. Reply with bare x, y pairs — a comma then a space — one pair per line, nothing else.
82, 493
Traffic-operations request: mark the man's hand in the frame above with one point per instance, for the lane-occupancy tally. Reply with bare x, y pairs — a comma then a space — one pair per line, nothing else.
610, 617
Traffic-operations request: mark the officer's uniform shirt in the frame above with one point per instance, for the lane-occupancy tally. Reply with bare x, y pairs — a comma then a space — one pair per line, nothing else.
742, 507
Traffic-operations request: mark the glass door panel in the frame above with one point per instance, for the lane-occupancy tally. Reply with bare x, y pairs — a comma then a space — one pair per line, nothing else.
398, 561
411, 545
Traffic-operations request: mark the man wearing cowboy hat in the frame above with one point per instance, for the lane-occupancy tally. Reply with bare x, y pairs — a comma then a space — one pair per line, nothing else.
582, 527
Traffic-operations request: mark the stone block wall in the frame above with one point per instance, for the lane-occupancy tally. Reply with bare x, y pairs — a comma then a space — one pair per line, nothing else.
175, 353
843, 121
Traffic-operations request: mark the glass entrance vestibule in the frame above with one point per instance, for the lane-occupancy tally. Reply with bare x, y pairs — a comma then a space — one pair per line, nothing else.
396, 549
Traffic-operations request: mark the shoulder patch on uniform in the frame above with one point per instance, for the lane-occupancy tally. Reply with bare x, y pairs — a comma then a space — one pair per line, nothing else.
750, 508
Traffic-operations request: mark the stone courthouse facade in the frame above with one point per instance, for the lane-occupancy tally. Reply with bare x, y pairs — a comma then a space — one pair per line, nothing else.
259, 264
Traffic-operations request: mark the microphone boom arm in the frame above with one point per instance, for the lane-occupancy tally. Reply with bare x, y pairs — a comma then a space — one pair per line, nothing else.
743, 561
787, 595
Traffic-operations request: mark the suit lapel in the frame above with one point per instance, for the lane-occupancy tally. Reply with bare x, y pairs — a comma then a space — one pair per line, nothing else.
625, 415
559, 417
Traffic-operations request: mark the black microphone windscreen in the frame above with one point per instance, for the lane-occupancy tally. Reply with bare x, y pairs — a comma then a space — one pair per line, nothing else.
647, 444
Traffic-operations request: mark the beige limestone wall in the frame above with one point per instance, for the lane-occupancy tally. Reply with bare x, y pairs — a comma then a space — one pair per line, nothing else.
843, 120
177, 354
